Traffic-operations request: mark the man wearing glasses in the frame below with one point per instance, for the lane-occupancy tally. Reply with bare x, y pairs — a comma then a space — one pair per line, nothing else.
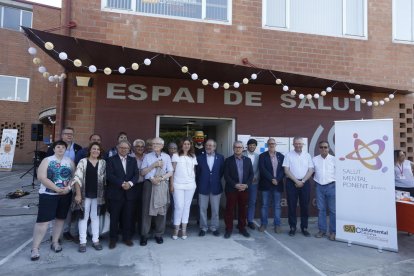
67, 136
325, 190
298, 169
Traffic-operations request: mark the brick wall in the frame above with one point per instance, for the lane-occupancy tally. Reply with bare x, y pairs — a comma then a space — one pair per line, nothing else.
16, 61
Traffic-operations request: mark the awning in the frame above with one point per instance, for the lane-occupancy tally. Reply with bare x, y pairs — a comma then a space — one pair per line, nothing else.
48, 115
165, 66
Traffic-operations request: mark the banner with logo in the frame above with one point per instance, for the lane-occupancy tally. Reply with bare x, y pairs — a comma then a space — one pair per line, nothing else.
283, 144
7, 147
365, 193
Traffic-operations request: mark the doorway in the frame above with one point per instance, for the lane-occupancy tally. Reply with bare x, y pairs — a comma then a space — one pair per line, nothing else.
222, 130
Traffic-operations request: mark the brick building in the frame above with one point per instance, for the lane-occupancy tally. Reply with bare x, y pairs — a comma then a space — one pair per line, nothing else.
310, 45
23, 93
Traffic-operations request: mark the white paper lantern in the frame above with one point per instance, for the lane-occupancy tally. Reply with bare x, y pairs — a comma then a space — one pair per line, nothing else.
357, 97
92, 68
56, 77
51, 79
121, 69
134, 66
351, 91
204, 82
42, 69
46, 75
387, 99
329, 89
63, 75
184, 69
107, 71
301, 96
323, 93
381, 102
77, 62
254, 76
376, 103
49, 46
226, 85
147, 61
369, 103
278, 81
236, 84
293, 92
391, 96
285, 88
194, 76
245, 80
32, 51
363, 101
63, 55
316, 96
60, 79
37, 61
215, 85
309, 96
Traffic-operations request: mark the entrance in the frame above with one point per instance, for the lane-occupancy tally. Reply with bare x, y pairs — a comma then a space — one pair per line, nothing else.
222, 130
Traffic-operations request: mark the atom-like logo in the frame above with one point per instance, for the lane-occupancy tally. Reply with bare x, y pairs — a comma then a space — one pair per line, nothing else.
364, 153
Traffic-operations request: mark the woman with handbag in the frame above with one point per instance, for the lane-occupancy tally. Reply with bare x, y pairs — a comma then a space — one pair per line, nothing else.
89, 182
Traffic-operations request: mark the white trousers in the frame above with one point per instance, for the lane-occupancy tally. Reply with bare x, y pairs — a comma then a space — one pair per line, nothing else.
91, 210
182, 204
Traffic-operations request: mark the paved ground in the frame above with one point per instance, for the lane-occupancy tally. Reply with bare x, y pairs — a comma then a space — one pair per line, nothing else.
262, 254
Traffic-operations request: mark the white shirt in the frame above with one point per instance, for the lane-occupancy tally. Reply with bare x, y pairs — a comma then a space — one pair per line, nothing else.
184, 175
298, 164
151, 157
404, 175
324, 169
210, 160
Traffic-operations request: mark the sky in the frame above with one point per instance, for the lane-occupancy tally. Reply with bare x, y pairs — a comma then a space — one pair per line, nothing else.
54, 3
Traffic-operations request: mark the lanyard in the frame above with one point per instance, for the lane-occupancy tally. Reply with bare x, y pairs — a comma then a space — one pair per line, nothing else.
401, 169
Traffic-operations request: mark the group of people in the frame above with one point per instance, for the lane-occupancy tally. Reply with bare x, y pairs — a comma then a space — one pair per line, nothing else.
137, 183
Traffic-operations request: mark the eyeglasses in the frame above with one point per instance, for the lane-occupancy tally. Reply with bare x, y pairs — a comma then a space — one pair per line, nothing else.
238, 147
124, 148
271, 143
323, 147
67, 133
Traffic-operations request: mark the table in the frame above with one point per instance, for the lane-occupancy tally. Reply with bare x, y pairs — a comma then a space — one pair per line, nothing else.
405, 216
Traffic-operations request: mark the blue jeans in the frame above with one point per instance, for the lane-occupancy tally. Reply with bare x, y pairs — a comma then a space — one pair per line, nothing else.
277, 210
252, 202
325, 197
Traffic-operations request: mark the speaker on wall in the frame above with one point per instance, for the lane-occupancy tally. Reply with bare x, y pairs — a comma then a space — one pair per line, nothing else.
37, 132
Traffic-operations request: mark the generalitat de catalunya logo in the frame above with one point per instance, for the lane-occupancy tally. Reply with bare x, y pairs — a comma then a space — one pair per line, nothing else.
364, 153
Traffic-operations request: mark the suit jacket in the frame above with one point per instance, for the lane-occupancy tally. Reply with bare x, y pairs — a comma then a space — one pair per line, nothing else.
115, 176
50, 151
209, 182
231, 174
266, 172
255, 165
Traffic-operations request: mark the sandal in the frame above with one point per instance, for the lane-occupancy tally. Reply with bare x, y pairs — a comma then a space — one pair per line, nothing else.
35, 254
56, 247
82, 248
97, 246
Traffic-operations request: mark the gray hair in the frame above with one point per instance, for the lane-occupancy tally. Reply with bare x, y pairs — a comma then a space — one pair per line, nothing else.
158, 139
137, 141
124, 142
297, 138
211, 140
237, 142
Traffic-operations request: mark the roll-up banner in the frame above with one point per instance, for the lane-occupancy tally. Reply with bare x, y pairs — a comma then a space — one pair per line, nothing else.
7, 147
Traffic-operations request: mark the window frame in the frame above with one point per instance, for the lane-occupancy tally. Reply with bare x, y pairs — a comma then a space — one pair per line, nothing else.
287, 23
134, 11
2, 6
394, 26
16, 81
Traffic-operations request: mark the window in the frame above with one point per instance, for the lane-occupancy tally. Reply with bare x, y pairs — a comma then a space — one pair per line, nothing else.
12, 18
403, 21
200, 10
14, 88
343, 18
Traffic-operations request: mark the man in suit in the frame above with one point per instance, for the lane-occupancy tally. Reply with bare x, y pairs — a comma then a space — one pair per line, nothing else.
122, 191
238, 173
254, 157
209, 172
271, 184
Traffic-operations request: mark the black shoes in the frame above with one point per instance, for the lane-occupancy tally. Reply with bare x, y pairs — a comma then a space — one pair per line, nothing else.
143, 241
227, 234
251, 225
112, 244
216, 233
305, 232
244, 233
159, 240
202, 233
292, 232
128, 243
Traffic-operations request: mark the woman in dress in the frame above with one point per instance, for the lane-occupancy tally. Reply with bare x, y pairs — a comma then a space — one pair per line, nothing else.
403, 171
54, 174
89, 182
184, 186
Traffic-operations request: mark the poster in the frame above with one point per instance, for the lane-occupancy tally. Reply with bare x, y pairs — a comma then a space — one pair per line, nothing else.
7, 148
283, 144
365, 193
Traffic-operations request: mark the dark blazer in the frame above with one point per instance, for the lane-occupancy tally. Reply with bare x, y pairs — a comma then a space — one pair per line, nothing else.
209, 182
115, 176
266, 172
50, 151
231, 175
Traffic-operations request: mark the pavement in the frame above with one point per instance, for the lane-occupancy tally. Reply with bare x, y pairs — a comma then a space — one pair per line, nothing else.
265, 253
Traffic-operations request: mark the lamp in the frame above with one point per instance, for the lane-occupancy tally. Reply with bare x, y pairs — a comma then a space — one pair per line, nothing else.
84, 81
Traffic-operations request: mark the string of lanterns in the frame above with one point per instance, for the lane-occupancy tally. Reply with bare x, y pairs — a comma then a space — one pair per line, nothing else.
194, 76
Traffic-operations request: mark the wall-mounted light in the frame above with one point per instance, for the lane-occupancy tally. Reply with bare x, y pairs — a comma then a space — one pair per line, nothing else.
84, 81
